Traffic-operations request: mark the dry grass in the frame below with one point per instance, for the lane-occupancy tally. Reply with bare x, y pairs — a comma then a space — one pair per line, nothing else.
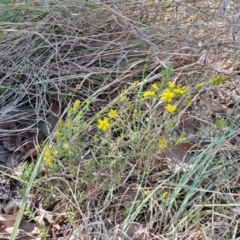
118, 185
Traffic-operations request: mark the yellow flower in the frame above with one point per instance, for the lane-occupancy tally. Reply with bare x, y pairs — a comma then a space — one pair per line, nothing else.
199, 86
76, 105
181, 138
171, 85
155, 87
171, 108
149, 94
162, 143
60, 125
103, 124
74, 108
69, 124
136, 113
167, 95
180, 90
49, 156
165, 195
66, 146
188, 100
147, 192
135, 83
123, 99
58, 136
217, 80
113, 114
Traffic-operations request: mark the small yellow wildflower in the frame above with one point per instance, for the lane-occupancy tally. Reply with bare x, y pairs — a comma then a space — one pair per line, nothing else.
123, 99
136, 113
66, 146
171, 108
217, 80
113, 113
49, 156
188, 100
167, 95
155, 87
171, 85
103, 124
69, 124
149, 94
135, 83
58, 136
79, 116
165, 195
76, 105
180, 90
199, 86
181, 138
162, 143
60, 125
147, 192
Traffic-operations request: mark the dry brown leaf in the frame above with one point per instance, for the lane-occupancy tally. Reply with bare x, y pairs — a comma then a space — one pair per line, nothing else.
10, 142
132, 229
187, 124
215, 108
61, 206
32, 153
128, 193
136, 231
44, 218
31, 234
4, 156
26, 230
7, 221
51, 120
14, 159
11, 208
5, 125
178, 156
55, 110
27, 226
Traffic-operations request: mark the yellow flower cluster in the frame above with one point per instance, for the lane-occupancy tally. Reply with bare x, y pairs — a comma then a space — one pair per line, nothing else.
147, 192
171, 92
168, 95
152, 91
200, 86
49, 155
113, 114
104, 123
217, 80
76, 105
171, 108
58, 133
179, 91
135, 83
149, 94
171, 85
74, 109
155, 87
165, 195
65, 130
162, 143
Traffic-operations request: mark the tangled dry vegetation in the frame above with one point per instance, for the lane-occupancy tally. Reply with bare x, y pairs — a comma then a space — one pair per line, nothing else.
120, 120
